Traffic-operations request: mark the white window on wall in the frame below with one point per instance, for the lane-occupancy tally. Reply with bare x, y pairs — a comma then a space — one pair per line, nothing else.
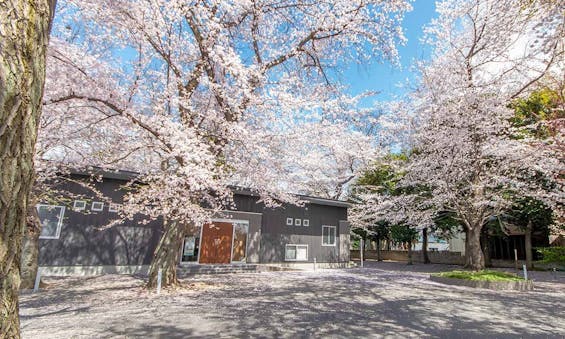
114, 207
97, 206
328, 235
51, 219
306, 222
289, 221
297, 222
79, 205
296, 252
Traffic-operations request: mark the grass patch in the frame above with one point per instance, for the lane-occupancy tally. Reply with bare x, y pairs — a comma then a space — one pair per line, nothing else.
485, 275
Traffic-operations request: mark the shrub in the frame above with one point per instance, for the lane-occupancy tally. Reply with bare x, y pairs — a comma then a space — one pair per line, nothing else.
552, 255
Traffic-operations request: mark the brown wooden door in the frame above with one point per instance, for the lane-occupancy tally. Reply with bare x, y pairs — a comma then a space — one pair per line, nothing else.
216, 243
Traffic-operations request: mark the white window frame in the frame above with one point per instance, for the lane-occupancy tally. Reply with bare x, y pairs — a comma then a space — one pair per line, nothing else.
335, 235
296, 251
305, 222
289, 221
97, 209
297, 222
59, 224
76, 208
113, 207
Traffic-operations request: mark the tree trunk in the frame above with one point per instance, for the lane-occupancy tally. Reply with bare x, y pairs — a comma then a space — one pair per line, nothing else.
485, 248
474, 258
24, 33
425, 245
30, 248
166, 256
379, 249
528, 245
409, 253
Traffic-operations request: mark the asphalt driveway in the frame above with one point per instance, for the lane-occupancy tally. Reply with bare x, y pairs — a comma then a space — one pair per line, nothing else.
383, 299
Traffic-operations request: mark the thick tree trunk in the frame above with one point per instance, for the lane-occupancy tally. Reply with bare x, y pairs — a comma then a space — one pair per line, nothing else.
528, 245
474, 258
409, 253
166, 256
24, 33
30, 248
425, 245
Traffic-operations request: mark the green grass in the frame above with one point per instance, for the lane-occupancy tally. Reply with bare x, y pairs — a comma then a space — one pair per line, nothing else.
485, 275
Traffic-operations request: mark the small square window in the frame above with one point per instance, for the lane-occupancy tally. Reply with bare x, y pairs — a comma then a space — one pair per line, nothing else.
306, 222
114, 207
97, 206
297, 222
79, 205
289, 221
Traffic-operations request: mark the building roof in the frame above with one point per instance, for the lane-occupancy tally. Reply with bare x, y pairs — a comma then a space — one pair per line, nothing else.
130, 175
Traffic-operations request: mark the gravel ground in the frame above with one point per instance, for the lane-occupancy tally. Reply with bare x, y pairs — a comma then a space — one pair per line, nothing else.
382, 299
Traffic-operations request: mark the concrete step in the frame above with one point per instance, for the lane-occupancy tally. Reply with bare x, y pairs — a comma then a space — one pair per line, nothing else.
186, 270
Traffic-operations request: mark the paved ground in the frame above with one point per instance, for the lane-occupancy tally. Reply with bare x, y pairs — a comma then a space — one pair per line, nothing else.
385, 299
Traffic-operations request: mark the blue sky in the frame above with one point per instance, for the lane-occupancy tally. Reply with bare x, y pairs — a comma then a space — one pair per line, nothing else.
385, 77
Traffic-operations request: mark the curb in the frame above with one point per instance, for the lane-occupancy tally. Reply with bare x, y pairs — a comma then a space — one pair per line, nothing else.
526, 285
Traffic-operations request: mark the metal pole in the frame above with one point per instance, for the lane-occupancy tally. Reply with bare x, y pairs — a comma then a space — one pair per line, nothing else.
314, 264
361, 250
525, 272
37, 280
159, 277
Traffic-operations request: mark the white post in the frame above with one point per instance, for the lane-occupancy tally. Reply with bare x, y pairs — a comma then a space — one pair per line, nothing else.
361, 250
37, 280
516, 258
159, 277
525, 272
314, 263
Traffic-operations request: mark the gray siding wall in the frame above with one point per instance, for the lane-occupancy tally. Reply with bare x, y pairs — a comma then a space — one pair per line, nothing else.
81, 242
275, 234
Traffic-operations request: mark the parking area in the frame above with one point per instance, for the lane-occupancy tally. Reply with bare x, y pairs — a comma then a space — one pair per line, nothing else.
382, 299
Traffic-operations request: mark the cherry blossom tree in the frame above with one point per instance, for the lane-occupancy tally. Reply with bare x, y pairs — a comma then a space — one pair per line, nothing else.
24, 33
466, 154
200, 95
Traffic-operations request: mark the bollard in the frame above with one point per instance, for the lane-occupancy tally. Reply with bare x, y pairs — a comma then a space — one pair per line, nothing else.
525, 272
361, 250
314, 263
516, 259
37, 280
159, 277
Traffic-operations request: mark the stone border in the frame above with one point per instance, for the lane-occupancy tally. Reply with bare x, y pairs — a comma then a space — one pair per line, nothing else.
527, 285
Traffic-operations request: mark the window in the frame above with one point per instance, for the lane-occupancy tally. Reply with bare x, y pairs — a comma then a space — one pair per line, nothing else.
306, 222
51, 219
297, 222
97, 206
328, 235
114, 207
79, 205
289, 221
296, 252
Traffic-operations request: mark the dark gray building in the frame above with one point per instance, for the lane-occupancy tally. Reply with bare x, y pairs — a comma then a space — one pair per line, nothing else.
74, 240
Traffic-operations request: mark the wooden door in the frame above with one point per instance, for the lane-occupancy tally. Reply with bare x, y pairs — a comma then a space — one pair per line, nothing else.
216, 243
